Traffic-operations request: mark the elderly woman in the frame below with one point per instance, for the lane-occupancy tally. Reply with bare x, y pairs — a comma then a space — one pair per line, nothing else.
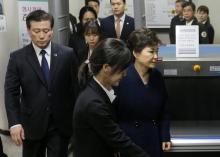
141, 96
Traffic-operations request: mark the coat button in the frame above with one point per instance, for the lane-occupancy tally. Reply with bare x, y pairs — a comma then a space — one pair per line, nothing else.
154, 122
49, 94
48, 108
136, 124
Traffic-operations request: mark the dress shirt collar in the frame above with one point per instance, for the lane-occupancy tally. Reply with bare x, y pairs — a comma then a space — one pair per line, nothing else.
110, 93
38, 50
189, 23
122, 19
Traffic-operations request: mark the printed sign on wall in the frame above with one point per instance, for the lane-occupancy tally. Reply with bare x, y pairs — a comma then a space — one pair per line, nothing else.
2, 18
24, 8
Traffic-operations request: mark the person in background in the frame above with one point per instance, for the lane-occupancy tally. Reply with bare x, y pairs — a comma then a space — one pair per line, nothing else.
203, 18
92, 35
95, 4
96, 132
142, 96
189, 19
73, 22
77, 41
176, 20
40, 91
119, 25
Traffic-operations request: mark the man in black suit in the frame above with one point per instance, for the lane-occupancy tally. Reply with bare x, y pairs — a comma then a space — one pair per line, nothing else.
176, 20
119, 25
40, 90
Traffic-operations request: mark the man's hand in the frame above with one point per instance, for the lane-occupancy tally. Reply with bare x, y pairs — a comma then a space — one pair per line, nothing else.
17, 134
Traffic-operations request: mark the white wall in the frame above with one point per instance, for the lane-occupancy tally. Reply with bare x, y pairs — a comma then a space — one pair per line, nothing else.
75, 6
8, 43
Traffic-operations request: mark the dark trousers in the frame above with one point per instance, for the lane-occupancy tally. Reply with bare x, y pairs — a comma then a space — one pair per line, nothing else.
2, 154
53, 144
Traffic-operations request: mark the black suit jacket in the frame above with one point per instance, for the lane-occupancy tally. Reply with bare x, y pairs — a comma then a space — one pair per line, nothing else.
30, 101
108, 27
203, 39
95, 130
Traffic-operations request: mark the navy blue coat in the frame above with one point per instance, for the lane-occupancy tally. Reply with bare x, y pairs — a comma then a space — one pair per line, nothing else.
108, 27
142, 111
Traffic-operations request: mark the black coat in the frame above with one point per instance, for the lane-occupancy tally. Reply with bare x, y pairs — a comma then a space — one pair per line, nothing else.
203, 32
176, 20
108, 27
30, 101
142, 110
96, 132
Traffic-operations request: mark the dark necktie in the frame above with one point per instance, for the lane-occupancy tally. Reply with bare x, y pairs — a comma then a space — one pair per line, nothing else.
45, 66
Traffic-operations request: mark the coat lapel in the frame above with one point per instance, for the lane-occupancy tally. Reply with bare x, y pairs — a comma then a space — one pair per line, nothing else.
55, 54
98, 89
125, 26
113, 26
33, 61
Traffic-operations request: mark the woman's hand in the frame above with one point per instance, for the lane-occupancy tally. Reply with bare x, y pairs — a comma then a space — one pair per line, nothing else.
166, 146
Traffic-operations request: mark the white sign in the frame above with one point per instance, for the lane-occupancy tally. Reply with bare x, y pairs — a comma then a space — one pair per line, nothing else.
2, 23
187, 41
106, 10
24, 8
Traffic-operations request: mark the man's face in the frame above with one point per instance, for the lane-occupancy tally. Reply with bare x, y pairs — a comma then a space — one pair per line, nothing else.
118, 7
41, 33
94, 5
178, 8
188, 13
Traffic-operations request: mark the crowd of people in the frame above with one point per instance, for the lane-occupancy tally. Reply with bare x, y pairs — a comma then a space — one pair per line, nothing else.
103, 90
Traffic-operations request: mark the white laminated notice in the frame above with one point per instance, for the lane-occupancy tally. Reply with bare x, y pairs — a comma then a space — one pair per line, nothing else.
187, 41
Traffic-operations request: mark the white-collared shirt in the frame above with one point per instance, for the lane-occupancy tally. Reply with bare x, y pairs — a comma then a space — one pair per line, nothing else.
122, 19
189, 23
110, 93
47, 55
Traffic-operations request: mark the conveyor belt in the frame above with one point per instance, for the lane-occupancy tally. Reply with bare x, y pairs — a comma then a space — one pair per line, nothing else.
195, 136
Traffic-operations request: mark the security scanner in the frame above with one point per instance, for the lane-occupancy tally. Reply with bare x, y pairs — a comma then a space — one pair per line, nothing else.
193, 86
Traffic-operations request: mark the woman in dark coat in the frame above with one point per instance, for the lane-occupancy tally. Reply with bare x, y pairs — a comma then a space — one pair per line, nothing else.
96, 133
141, 96
203, 18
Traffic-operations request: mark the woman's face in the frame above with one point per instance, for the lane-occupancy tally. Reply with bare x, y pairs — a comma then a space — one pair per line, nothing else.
147, 57
202, 16
92, 39
88, 16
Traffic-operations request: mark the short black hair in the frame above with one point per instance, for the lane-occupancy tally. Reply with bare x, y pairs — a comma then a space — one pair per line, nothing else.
110, 51
92, 27
203, 8
85, 9
39, 15
180, 1
87, 1
191, 4
123, 1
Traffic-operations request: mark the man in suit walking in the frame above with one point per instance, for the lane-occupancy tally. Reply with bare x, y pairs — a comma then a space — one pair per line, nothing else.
40, 90
119, 25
